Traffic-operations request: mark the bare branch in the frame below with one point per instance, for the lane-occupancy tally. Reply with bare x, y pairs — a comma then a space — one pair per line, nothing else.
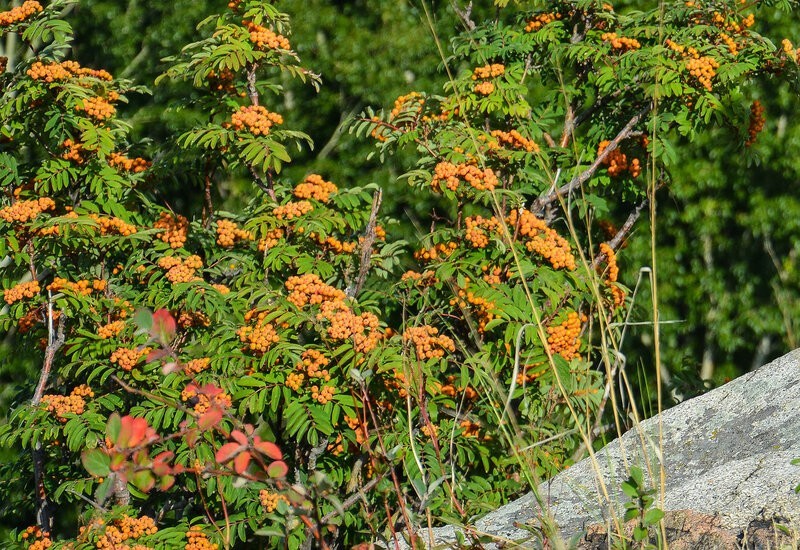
540, 203
624, 231
366, 246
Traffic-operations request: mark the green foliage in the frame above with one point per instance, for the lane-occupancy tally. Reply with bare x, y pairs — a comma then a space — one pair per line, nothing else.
267, 372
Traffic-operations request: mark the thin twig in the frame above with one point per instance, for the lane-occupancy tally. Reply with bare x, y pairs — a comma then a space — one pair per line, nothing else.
623, 233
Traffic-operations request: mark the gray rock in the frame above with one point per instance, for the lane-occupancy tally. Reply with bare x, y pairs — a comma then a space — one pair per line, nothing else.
726, 453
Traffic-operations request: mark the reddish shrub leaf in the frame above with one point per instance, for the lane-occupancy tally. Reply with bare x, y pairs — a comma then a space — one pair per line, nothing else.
143, 480
277, 469
164, 326
268, 448
117, 461
96, 462
228, 451
210, 418
138, 430
241, 462
166, 482
239, 437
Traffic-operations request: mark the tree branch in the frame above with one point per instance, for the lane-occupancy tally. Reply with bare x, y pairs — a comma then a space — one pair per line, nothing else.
624, 231
44, 517
366, 245
540, 203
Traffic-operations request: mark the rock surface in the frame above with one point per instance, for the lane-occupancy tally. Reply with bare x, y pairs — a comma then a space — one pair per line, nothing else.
727, 457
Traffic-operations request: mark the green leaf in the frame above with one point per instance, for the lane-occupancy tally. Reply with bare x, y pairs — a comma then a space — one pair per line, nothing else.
96, 462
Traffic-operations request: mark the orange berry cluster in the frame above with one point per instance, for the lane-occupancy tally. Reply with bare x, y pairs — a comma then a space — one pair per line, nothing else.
733, 48
790, 50
494, 275
127, 358
3, 64
31, 318
110, 330
292, 210
322, 395
181, 271
620, 42
197, 540
380, 131
563, 338
452, 175
478, 230
21, 291
333, 244
83, 287
19, 13
222, 289
483, 308
136, 165
345, 324
541, 20
55, 72
125, 529
228, 234
756, 122
482, 73
270, 500
733, 26
112, 225
355, 424
97, 108
264, 38
488, 71
440, 250
515, 140
176, 229
310, 289
542, 239
256, 119
74, 151
294, 380
270, 240
314, 363
61, 405
428, 343
203, 402
188, 319
24, 211
617, 161
484, 87
260, 337
471, 429
451, 390
314, 187
412, 101
702, 68
430, 430
39, 539
424, 279
617, 294
196, 366
222, 82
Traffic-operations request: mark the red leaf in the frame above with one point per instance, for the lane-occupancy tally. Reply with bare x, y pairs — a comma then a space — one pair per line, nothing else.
239, 437
125, 431
117, 461
163, 326
155, 355
228, 451
241, 462
166, 482
210, 418
277, 469
168, 368
178, 469
268, 448
138, 431
191, 437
